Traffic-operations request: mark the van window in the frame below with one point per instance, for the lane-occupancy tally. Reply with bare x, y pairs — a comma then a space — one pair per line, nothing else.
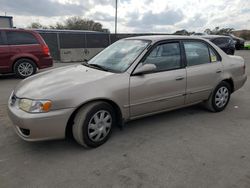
1, 39
18, 38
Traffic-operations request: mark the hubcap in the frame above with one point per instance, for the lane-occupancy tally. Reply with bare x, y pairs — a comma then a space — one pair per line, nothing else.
221, 97
99, 125
25, 69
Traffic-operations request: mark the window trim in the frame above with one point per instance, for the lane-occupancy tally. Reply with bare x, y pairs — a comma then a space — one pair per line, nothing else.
151, 48
219, 59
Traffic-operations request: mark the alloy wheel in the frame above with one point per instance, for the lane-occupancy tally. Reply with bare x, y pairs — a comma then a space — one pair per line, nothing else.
25, 69
99, 125
221, 97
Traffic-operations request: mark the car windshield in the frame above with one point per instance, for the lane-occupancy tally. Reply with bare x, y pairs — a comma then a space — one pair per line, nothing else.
120, 55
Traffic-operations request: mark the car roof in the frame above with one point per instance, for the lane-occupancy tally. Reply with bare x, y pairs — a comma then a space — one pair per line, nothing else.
156, 38
215, 36
17, 29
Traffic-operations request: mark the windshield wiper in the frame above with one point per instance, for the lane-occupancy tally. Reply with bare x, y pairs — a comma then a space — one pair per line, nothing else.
85, 63
98, 67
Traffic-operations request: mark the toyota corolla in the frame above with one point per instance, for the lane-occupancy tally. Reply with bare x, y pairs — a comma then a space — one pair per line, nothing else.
132, 78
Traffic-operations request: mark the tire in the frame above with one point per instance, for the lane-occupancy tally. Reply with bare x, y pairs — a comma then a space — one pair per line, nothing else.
24, 68
219, 98
92, 127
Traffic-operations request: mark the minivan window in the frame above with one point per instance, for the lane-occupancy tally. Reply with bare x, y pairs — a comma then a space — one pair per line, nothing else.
1, 39
165, 57
196, 53
18, 38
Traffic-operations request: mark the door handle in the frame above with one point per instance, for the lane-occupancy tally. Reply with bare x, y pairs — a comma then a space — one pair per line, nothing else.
179, 78
218, 71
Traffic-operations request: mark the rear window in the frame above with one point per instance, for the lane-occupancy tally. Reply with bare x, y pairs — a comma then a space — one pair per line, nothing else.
18, 38
196, 53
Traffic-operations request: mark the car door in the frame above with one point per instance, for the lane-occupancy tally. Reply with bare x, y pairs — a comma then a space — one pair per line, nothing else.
204, 70
4, 54
162, 89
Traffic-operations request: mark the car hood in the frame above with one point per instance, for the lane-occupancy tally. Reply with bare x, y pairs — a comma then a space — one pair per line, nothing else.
50, 83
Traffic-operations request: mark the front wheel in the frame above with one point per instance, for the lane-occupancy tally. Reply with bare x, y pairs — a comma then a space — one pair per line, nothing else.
93, 124
219, 97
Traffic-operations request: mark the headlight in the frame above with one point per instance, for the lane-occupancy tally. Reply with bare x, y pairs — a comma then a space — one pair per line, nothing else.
34, 106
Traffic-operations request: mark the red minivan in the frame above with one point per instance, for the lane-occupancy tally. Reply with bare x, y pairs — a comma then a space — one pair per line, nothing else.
23, 52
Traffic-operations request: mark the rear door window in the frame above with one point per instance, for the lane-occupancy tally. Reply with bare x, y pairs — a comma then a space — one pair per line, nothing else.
196, 53
20, 38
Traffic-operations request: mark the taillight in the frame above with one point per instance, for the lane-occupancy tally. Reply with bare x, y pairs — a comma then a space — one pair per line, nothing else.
46, 50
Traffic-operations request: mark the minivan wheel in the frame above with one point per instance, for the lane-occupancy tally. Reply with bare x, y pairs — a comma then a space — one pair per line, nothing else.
219, 98
93, 124
24, 68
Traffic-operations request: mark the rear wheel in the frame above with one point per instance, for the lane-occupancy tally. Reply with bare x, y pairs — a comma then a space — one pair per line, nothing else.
24, 68
93, 124
219, 98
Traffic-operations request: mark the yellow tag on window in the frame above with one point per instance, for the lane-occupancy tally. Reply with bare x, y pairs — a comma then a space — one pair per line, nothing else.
213, 58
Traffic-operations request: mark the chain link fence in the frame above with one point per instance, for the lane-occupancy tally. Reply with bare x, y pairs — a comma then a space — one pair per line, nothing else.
70, 46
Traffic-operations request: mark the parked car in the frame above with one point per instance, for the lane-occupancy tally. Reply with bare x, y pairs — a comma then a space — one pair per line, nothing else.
226, 43
130, 79
239, 42
199, 34
247, 45
22, 52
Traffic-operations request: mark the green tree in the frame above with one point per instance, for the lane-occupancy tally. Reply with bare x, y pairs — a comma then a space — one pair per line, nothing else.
77, 23
208, 31
181, 32
72, 23
218, 31
57, 26
37, 25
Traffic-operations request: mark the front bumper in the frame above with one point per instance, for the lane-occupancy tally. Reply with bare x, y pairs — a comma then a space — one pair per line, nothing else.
39, 126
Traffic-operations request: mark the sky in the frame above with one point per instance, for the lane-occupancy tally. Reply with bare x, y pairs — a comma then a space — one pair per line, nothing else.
134, 16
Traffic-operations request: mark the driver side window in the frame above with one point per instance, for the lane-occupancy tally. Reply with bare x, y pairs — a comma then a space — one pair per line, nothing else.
165, 57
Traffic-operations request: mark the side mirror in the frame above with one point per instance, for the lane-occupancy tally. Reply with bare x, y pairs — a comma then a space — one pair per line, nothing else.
142, 69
